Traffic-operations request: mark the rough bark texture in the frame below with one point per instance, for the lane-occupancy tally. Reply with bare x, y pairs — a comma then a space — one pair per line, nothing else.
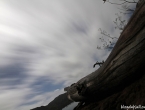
133, 94
121, 79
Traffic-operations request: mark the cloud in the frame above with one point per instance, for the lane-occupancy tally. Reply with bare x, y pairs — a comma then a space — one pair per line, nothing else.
47, 45
11, 99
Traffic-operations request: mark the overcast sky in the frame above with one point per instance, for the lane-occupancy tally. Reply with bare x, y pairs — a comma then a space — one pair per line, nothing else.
48, 45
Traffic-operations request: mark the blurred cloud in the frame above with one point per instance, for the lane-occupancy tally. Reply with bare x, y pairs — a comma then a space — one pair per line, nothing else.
47, 45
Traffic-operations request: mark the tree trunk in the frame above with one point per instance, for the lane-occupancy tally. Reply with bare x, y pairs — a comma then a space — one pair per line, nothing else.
127, 57
122, 71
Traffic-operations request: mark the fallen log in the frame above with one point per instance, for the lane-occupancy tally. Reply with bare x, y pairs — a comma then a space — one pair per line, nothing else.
122, 67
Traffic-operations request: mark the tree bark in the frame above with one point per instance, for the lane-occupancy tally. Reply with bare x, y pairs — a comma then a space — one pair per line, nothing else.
121, 70
126, 59
125, 63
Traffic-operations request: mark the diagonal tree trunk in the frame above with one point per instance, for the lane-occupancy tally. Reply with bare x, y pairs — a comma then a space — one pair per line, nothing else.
123, 66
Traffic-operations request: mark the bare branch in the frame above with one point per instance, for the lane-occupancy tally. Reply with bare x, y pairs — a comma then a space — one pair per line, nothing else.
119, 24
103, 32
